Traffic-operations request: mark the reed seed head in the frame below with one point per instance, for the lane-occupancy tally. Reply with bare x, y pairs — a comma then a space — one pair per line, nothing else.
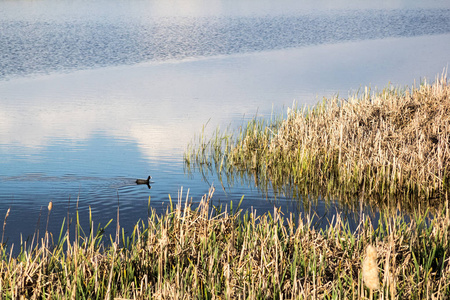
370, 268
50, 206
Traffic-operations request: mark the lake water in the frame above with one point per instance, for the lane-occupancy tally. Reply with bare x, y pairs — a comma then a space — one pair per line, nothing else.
94, 94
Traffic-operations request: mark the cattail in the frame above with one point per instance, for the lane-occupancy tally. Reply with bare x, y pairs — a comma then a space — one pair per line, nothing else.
50, 206
370, 269
4, 223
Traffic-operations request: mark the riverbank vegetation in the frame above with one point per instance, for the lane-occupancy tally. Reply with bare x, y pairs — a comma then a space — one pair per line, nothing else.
212, 253
377, 146
383, 145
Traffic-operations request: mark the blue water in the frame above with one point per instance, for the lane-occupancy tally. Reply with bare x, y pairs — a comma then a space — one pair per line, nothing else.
94, 95
45, 46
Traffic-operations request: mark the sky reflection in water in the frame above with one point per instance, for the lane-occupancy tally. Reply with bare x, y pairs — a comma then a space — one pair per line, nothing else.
88, 134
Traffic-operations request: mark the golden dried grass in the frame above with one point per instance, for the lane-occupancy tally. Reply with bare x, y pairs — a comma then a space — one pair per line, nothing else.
389, 142
191, 253
393, 143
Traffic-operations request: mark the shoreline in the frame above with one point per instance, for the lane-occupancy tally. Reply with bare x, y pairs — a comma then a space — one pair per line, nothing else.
208, 253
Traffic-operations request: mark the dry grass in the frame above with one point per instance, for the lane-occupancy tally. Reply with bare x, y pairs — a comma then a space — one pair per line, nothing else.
388, 142
394, 143
207, 254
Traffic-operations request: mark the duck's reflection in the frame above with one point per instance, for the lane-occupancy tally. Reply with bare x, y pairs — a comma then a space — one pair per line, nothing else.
144, 181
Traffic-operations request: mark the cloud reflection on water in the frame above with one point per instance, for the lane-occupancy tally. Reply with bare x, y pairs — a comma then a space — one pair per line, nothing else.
161, 106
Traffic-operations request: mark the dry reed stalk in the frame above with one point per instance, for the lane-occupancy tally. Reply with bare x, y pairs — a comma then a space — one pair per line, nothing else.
49, 208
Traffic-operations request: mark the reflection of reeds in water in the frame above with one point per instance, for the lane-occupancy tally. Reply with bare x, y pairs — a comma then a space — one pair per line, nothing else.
392, 143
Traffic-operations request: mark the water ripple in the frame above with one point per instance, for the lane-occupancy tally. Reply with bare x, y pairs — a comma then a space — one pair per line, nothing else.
29, 47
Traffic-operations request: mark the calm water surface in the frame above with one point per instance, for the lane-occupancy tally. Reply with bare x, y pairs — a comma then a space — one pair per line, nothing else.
95, 94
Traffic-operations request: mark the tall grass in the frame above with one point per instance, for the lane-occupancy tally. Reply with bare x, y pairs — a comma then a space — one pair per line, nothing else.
393, 143
208, 253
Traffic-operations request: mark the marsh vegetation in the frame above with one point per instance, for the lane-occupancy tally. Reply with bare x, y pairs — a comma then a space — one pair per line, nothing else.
211, 252
386, 145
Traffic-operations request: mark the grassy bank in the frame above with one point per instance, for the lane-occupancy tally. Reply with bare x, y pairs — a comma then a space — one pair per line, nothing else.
393, 143
390, 143
211, 254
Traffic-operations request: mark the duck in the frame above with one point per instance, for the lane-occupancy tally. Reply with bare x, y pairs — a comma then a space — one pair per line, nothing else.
144, 181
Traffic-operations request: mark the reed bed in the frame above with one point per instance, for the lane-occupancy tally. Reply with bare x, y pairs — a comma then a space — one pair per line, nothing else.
390, 143
211, 253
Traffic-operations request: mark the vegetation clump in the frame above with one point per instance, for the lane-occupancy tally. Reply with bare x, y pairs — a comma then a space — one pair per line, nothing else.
389, 143
206, 253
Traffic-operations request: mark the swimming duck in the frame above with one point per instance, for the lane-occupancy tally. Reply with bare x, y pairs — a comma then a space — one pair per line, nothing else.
144, 181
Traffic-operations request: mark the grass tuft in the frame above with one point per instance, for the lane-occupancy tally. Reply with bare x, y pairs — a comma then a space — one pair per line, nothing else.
390, 144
